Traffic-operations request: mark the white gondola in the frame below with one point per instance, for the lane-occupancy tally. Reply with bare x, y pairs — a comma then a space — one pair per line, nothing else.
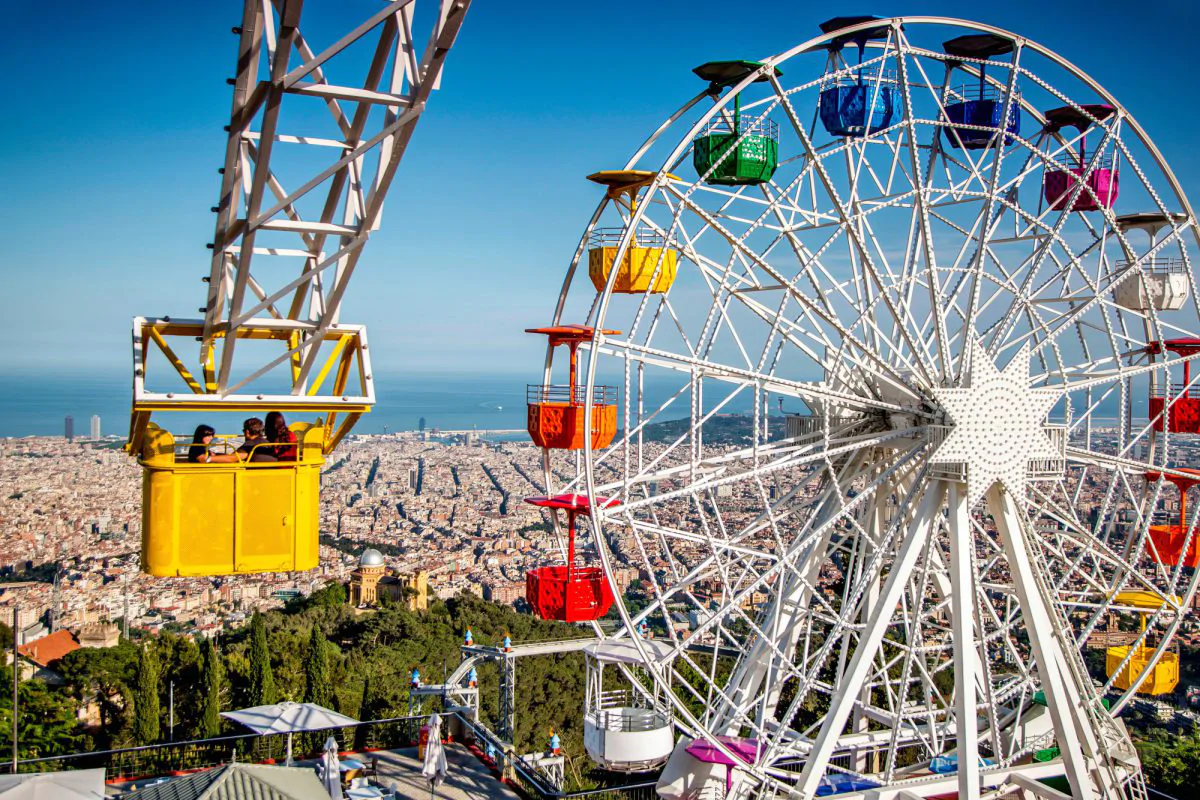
624, 730
1163, 284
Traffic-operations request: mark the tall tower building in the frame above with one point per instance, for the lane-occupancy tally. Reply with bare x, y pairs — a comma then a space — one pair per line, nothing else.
95, 426
421, 425
70, 428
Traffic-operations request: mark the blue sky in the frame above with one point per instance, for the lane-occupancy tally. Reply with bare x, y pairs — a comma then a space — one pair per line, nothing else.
114, 136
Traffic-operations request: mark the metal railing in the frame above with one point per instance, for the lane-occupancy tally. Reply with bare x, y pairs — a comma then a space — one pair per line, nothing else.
1157, 265
952, 470
967, 92
747, 126
534, 783
611, 237
1178, 391
536, 394
1070, 161
1039, 468
228, 445
172, 758
868, 76
1051, 468
629, 720
177, 758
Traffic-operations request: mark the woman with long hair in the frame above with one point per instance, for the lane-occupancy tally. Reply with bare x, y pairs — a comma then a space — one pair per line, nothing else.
282, 436
199, 452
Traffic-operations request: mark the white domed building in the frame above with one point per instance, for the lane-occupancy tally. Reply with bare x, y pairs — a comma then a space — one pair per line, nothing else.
371, 582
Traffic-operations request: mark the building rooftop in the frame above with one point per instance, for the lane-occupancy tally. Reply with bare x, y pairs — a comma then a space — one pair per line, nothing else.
48, 649
240, 782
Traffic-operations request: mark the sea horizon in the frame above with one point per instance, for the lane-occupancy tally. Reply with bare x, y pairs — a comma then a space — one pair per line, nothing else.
36, 403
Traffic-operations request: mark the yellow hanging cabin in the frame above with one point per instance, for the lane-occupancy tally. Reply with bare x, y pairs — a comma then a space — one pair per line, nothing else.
217, 519
648, 264
244, 516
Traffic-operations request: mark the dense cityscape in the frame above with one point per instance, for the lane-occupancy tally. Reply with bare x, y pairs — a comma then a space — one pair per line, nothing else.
446, 506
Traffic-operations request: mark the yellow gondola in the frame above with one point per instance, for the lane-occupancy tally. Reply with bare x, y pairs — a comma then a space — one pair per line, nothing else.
1164, 675
216, 519
648, 265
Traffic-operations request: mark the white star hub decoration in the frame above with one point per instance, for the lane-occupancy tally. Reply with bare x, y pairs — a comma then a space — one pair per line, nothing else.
998, 423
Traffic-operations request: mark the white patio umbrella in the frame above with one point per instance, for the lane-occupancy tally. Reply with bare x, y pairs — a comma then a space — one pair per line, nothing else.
331, 777
289, 718
434, 768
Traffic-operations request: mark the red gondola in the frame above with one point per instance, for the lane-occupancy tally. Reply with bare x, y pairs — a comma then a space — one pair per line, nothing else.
1182, 415
570, 592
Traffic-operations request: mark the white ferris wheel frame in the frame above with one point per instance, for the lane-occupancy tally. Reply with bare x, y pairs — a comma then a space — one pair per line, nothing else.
1065, 704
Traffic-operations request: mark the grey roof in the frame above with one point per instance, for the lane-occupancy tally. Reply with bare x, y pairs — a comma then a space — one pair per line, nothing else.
371, 558
73, 785
240, 782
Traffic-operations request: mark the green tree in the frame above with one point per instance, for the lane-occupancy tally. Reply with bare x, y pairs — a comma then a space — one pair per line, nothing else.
364, 714
317, 688
145, 697
262, 680
46, 723
1171, 762
210, 720
102, 677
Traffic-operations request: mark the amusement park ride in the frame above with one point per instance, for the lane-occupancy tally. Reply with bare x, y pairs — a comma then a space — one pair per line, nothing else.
910, 227
315, 140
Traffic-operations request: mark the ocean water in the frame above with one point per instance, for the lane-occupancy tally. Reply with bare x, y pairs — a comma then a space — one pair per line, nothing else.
35, 404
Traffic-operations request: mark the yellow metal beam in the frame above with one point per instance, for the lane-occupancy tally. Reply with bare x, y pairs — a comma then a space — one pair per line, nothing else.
210, 368
333, 441
138, 420
293, 345
320, 379
175, 360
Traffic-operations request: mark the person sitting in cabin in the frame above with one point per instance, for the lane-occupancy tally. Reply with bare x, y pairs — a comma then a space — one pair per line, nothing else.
279, 433
256, 447
201, 453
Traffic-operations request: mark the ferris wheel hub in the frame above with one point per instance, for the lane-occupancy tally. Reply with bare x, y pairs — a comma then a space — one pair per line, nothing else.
998, 423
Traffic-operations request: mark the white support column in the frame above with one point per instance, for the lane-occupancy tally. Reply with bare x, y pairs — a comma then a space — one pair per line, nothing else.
966, 655
843, 701
1046, 651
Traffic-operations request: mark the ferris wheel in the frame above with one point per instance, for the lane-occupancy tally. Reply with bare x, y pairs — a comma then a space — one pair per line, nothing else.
965, 272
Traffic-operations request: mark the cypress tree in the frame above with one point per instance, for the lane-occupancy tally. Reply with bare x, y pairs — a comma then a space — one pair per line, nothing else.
316, 670
364, 714
262, 680
210, 719
145, 697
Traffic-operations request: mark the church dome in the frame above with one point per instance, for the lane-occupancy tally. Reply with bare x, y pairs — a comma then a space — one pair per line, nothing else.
371, 558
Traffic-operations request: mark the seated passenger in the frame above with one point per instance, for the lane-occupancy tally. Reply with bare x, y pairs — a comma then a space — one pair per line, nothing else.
200, 452
256, 448
279, 433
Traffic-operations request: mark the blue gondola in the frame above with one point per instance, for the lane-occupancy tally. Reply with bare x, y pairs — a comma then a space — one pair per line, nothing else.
839, 783
972, 106
945, 765
862, 103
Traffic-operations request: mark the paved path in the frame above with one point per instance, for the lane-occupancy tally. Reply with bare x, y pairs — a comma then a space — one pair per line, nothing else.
466, 777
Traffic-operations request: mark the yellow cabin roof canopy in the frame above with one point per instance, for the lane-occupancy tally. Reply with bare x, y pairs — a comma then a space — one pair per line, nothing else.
340, 390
